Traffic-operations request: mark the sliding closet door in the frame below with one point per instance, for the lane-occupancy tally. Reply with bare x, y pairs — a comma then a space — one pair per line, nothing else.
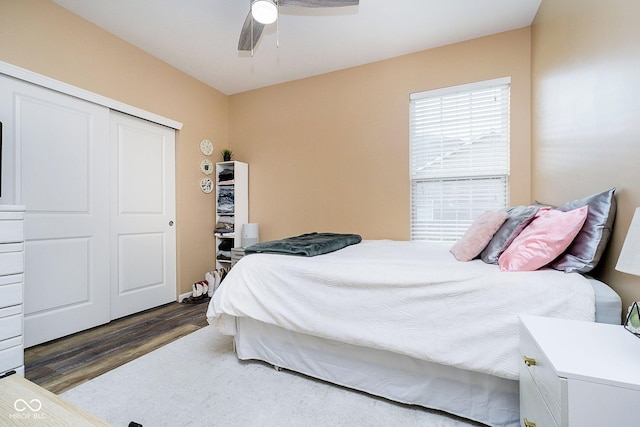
143, 233
59, 171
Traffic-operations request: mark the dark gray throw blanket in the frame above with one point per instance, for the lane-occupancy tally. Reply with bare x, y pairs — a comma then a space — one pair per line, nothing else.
310, 244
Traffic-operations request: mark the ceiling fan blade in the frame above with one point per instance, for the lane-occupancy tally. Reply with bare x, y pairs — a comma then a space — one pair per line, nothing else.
245, 42
318, 3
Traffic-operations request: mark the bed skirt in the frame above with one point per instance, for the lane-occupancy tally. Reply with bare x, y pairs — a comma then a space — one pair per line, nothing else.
480, 397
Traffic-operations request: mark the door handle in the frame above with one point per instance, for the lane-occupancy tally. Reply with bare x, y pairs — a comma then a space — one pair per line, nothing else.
170, 223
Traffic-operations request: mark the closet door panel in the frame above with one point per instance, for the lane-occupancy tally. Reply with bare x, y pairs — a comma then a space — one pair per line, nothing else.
54, 175
61, 175
142, 222
58, 261
136, 273
141, 159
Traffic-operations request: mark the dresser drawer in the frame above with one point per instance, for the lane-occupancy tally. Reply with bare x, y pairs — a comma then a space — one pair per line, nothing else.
533, 408
11, 290
11, 258
542, 373
11, 354
11, 231
10, 322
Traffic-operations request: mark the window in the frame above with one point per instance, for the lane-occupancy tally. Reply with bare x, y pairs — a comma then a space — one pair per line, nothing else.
459, 157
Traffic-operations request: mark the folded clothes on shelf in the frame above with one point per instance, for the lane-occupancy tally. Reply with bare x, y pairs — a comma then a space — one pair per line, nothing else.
225, 200
225, 175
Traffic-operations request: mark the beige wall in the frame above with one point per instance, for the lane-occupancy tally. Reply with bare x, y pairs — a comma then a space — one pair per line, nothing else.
41, 36
331, 153
586, 127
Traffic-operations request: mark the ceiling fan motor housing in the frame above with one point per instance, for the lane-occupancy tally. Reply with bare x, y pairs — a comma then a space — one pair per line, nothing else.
264, 11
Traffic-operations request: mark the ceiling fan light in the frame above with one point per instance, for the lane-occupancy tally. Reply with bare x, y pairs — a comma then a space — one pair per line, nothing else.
264, 11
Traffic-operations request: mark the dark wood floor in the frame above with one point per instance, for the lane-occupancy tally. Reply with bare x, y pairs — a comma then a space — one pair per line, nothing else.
67, 362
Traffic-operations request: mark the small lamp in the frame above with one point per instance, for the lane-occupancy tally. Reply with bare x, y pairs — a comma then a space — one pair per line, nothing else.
264, 11
629, 262
250, 234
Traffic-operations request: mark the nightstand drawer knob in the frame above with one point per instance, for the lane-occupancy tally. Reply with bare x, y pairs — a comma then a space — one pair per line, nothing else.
529, 361
528, 423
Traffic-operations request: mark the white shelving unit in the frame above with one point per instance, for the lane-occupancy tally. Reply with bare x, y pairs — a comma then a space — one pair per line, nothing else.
11, 289
236, 213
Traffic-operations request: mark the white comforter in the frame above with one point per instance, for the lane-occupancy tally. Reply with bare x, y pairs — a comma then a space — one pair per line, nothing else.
411, 298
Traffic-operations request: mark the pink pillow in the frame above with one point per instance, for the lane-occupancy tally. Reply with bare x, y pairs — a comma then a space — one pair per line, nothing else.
478, 235
542, 241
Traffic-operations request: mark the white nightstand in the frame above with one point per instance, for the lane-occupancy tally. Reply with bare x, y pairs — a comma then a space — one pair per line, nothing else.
578, 374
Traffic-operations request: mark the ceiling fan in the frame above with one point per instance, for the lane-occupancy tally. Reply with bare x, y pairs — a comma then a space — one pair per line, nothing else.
265, 12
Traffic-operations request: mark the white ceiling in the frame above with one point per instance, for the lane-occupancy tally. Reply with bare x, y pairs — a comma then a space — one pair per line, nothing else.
200, 37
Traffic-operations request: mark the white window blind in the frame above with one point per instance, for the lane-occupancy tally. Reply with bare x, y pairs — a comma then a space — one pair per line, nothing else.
459, 152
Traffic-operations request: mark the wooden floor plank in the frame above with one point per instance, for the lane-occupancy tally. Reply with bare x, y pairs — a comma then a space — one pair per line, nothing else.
81, 373
69, 361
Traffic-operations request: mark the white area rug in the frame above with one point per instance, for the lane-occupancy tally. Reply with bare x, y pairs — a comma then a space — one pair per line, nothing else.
198, 381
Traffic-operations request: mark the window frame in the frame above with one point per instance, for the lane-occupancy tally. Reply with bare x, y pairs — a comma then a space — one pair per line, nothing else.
463, 177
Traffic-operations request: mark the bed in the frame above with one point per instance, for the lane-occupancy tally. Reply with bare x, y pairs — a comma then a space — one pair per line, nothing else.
401, 320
